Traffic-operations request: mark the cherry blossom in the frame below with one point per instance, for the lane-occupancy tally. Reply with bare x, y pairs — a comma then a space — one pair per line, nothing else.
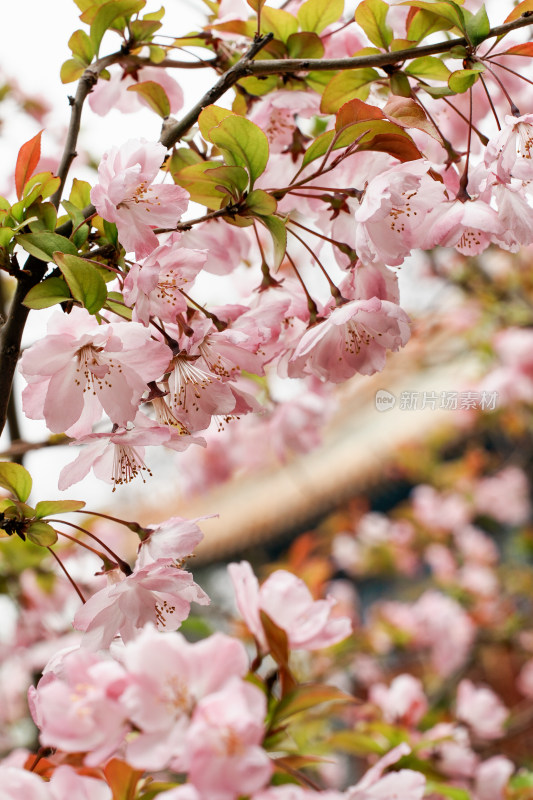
481, 709
354, 338
92, 368
509, 153
404, 701
126, 195
114, 94
309, 623
223, 754
153, 287
160, 593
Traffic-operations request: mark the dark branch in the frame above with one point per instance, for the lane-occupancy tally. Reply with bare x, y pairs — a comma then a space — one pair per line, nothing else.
288, 66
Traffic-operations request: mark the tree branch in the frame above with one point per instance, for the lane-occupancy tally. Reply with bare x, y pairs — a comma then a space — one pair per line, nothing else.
288, 66
85, 85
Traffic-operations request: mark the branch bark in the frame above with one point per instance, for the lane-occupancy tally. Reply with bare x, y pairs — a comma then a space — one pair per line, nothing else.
246, 67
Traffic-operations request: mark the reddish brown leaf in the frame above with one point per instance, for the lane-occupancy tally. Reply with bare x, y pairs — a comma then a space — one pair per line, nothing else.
356, 111
27, 160
525, 49
521, 8
122, 779
399, 147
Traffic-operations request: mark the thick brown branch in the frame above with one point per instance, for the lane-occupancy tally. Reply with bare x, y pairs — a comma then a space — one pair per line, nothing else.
11, 333
288, 66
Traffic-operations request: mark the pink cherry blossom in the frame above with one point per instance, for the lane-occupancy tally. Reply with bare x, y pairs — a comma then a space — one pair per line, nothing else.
19, 784
391, 216
175, 538
118, 457
509, 153
114, 94
504, 496
353, 339
168, 676
405, 783
275, 115
309, 623
403, 701
126, 195
469, 227
492, 777
92, 368
75, 705
160, 593
223, 754
153, 287
481, 709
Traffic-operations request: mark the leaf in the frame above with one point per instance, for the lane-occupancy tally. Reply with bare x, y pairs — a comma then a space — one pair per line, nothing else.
525, 49
42, 245
155, 96
260, 202
107, 14
42, 185
428, 67
400, 147
280, 23
47, 217
371, 16
27, 159
356, 111
207, 182
122, 779
462, 79
41, 533
47, 507
358, 744
346, 86
444, 789
315, 15
521, 8
82, 47
15, 479
307, 696
84, 281
409, 114
278, 231
399, 84
210, 117
304, 45
447, 9
359, 132
71, 70
478, 27
243, 143
47, 293
80, 194
115, 303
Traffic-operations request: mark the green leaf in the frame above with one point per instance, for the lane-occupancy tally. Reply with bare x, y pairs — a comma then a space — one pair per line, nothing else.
157, 54
155, 96
478, 27
207, 183
15, 479
315, 15
278, 231
210, 117
444, 789
80, 194
107, 14
41, 533
428, 67
355, 743
71, 70
42, 245
47, 217
305, 45
447, 9
424, 23
462, 79
82, 47
243, 143
85, 282
6, 234
47, 507
371, 16
115, 303
280, 23
44, 184
307, 696
260, 202
143, 30
399, 84
47, 293
346, 86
